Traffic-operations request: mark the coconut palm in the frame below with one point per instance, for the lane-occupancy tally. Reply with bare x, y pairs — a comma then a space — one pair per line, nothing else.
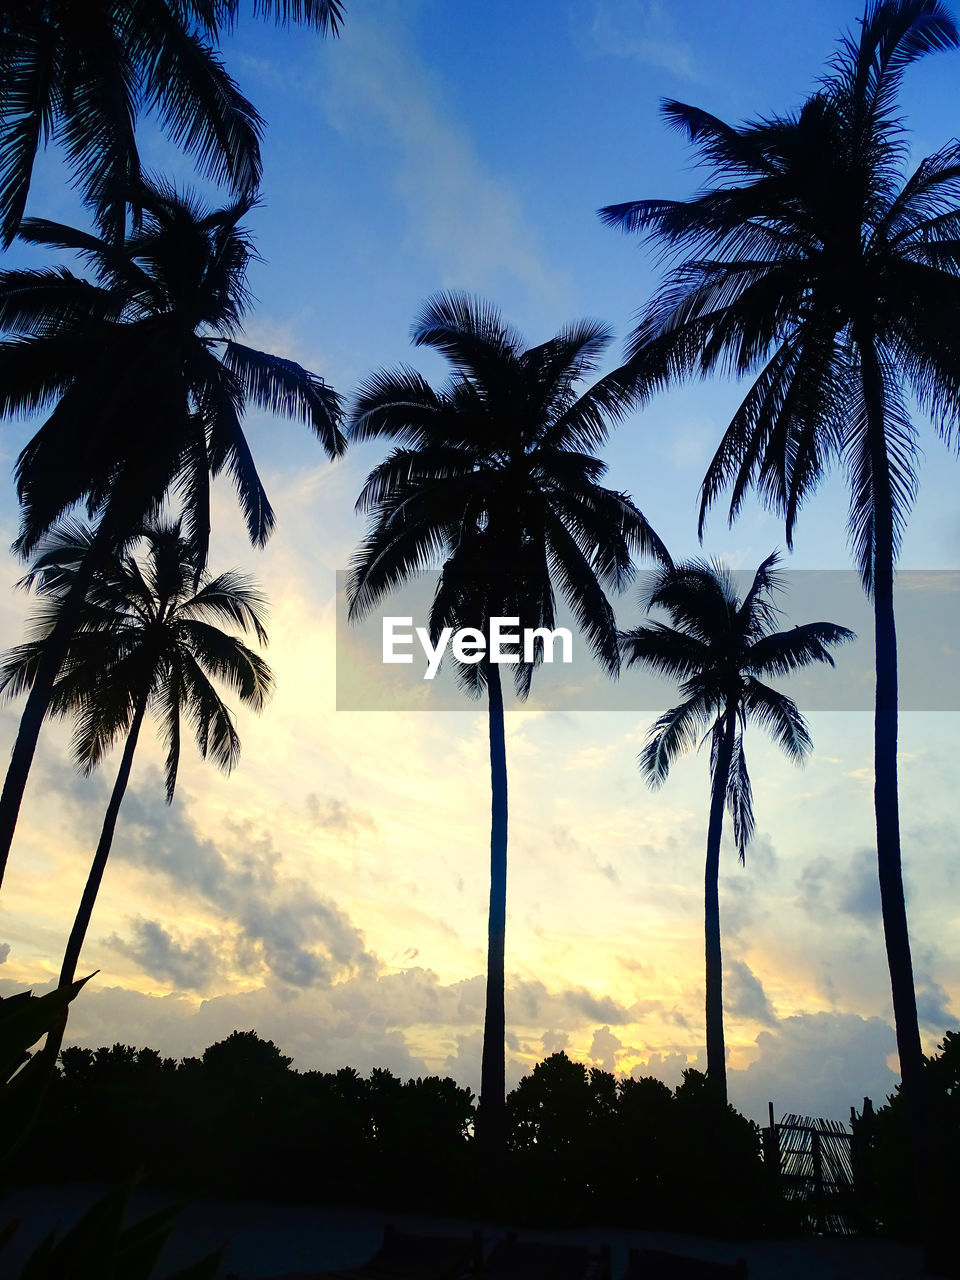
149, 639
719, 648
82, 71
493, 480
148, 384
818, 263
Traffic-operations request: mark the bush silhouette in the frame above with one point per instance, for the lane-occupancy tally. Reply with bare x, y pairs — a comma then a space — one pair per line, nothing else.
241, 1121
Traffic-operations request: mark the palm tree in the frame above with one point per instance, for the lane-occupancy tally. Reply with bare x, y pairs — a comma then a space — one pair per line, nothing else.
719, 648
818, 263
149, 639
493, 479
82, 71
148, 383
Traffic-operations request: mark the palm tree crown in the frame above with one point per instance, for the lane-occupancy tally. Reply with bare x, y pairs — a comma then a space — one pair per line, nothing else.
720, 648
82, 71
146, 340
493, 479
816, 262
150, 638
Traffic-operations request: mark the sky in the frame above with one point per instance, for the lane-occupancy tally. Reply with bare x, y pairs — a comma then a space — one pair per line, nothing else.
331, 893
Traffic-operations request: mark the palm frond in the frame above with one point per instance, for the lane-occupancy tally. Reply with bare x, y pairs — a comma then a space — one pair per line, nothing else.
284, 387
672, 734
779, 716
471, 333
325, 16
29, 99
233, 598
229, 660
781, 652
198, 103
664, 651
212, 722
739, 799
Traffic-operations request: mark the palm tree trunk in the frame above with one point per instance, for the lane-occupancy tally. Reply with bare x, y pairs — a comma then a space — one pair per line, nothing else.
492, 1113
716, 1053
71, 957
38, 700
78, 933
885, 793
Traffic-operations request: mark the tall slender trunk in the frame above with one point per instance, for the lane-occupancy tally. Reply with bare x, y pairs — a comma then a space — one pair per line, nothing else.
78, 933
885, 793
716, 1054
38, 700
492, 1115
71, 956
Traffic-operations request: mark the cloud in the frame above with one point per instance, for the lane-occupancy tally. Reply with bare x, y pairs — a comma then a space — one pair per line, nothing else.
323, 1028
605, 1047
744, 996
363, 1021
933, 1002
641, 29
284, 926
933, 1006
817, 1064
410, 1021
530, 1004
828, 886
4, 951
331, 814
569, 847
193, 967
668, 1067
468, 220
859, 894
554, 1041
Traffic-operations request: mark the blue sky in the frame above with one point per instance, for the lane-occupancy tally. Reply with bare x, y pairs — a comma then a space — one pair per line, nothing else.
332, 892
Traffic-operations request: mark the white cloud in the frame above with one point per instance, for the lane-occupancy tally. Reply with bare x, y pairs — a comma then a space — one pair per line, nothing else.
641, 29
816, 1064
744, 996
284, 927
462, 214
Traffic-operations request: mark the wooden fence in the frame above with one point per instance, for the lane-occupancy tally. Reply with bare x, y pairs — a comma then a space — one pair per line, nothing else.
814, 1159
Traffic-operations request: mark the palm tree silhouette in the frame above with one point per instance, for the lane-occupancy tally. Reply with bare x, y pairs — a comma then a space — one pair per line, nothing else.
83, 72
148, 639
493, 478
149, 385
817, 263
719, 648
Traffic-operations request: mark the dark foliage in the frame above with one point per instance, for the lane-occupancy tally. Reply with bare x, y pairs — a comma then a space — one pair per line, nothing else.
81, 74
887, 1194
581, 1146
587, 1146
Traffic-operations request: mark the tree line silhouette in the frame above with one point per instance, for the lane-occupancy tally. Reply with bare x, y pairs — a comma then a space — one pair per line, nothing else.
814, 262
579, 1144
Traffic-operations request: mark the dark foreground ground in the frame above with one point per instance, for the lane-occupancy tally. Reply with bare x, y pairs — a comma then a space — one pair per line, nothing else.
267, 1239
